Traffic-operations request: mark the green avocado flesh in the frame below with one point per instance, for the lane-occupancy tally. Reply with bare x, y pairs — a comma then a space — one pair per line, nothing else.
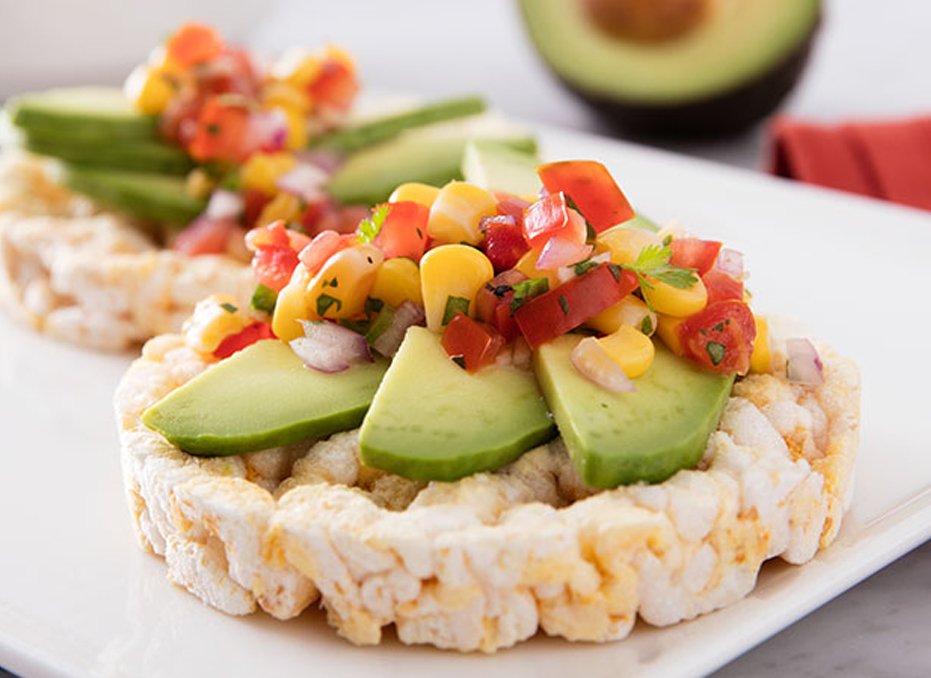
263, 397
500, 168
621, 438
734, 43
432, 420
370, 175
146, 196
92, 112
368, 134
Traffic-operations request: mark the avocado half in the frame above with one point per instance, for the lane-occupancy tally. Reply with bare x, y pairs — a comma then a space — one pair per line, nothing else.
676, 67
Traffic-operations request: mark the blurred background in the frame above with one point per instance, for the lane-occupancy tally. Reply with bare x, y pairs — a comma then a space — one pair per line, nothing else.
869, 59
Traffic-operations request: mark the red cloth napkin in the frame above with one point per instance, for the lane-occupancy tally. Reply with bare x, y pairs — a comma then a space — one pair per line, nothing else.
889, 160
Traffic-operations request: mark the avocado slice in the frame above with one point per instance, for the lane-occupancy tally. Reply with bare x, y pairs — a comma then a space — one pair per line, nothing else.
262, 397
146, 196
432, 420
76, 111
368, 134
498, 167
675, 68
370, 175
130, 154
621, 438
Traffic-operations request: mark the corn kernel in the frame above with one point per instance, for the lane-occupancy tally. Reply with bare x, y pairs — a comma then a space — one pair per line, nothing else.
424, 194
457, 211
667, 329
199, 184
451, 272
628, 311
340, 288
283, 206
291, 306
527, 265
625, 243
761, 359
261, 171
671, 300
397, 281
631, 349
214, 319
286, 95
149, 89
297, 67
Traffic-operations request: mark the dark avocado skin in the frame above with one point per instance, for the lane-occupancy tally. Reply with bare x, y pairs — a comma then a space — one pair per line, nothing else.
727, 113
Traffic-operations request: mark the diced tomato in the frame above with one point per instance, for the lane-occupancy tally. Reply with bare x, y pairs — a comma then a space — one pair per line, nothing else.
205, 236
245, 337
475, 343
404, 230
274, 234
254, 202
512, 206
193, 44
232, 72
592, 189
504, 241
314, 214
720, 337
493, 303
322, 247
694, 253
545, 218
721, 286
221, 131
273, 265
566, 307
340, 218
335, 86
178, 122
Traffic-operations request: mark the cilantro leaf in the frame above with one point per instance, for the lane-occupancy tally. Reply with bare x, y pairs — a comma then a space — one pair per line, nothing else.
229, 308
653, 262
368, 228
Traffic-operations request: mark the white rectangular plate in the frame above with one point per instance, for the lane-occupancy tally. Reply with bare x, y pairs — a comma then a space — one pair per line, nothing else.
78, 597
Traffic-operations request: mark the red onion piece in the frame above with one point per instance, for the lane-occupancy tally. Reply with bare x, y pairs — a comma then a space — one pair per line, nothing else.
591, 360
267, 130
329, 347
803, 364
306, 181
731, 262
328, 161
224, 205
568, 247
406, 315
566, 273
506, 219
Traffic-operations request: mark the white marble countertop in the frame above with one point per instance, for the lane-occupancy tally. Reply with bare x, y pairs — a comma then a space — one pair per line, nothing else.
871, 60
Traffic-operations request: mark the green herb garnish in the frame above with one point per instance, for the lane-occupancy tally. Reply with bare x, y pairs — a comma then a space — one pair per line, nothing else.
653, 261
373, 306
325, 301
716, 351
584, 266
368, 228
454, 306
526, 290
229, 308
564, 304
646, 326
264, 299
